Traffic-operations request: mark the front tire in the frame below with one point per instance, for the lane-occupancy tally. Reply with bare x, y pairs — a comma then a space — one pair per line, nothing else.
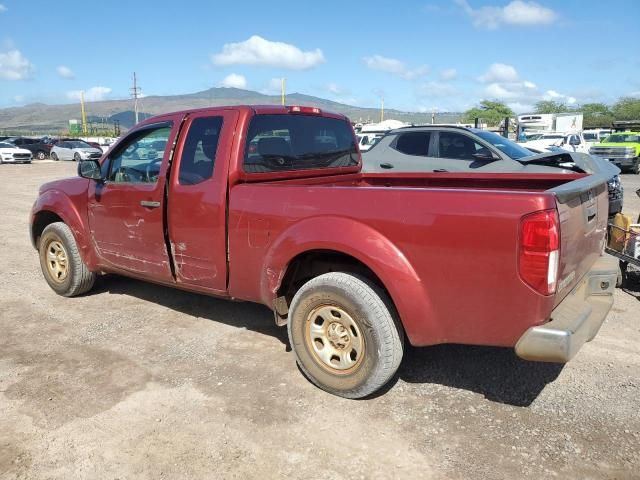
40, 155
61, 264
344, 333
636, 167
76, 157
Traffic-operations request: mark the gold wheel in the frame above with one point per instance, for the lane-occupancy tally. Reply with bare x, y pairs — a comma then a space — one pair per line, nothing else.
57, 261
334, 339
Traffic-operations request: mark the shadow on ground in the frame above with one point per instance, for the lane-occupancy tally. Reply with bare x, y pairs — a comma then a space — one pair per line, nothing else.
496, 373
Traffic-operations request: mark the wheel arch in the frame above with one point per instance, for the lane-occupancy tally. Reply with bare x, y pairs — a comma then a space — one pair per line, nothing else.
311, 248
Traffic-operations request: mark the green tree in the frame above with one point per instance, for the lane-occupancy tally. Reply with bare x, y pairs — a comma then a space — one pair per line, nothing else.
626, 108
549, 106
489, 112
596, 115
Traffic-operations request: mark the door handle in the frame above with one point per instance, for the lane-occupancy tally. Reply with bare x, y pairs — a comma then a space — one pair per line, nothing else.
149, 204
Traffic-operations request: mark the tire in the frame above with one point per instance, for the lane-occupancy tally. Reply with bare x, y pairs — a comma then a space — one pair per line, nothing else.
636, 167
76, 157
54, 156
61, 264
333, 316
41, 155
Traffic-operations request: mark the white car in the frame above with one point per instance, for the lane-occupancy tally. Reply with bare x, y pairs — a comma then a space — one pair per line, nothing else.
75, 150
11, 154
571, 142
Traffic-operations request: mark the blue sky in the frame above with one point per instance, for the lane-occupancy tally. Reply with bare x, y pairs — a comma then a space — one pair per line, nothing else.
442, 55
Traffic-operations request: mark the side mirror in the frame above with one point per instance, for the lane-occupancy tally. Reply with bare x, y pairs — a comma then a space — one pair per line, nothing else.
485, 156
90, 169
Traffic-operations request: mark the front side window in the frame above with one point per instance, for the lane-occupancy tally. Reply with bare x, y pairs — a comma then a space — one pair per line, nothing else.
457, 146
199, 152
298, 142
413, 143
506, 146
138, 158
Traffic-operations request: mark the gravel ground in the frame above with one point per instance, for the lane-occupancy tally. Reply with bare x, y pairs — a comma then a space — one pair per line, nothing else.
140, 381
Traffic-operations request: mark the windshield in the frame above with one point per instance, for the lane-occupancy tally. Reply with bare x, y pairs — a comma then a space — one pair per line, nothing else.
6, 145
506, 146
298, 142
618, 138
79, 145
590, 136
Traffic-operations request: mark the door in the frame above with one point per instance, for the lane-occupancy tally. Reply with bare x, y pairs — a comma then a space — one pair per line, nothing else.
197, 200
126, 210
64, 151
457, 151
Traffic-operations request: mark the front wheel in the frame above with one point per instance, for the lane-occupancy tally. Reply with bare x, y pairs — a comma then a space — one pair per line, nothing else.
636, 167
345, 335
40, 155
61, 264
76, 157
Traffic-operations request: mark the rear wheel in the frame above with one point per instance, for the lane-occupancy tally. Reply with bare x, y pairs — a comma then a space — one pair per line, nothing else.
345, 335
61, 264
40, 155
54, 157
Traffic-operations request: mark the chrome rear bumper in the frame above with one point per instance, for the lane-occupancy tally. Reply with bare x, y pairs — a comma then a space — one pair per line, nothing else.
576, 320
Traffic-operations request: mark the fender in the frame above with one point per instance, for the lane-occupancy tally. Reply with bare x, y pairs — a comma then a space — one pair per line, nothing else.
369, 246
73, 212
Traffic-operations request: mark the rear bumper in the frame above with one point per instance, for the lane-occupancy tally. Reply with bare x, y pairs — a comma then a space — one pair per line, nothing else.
576, 320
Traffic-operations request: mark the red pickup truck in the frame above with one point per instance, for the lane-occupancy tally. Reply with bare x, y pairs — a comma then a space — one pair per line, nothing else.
267, 204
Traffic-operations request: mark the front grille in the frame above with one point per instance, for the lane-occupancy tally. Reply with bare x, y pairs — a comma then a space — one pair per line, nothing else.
22, 156
94, 155
610, 151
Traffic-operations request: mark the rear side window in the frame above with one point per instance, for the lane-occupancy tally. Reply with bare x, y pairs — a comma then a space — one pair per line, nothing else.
413, 143
199, 152
298, 142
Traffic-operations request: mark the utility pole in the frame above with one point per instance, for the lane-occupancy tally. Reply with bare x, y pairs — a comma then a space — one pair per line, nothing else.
282, 84
135, 93
382, 109
84, 115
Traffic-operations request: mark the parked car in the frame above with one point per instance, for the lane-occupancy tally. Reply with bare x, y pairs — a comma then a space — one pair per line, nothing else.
572, 142
351, 263
75, 150
462, 149
40, 148
9, 153
622, 149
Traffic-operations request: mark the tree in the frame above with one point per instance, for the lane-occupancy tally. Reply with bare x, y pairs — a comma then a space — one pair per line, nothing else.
596, 115
549, 106
489, 112
627, 108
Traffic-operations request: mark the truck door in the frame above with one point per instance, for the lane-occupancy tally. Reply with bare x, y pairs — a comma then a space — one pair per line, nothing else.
126, 210
197, 200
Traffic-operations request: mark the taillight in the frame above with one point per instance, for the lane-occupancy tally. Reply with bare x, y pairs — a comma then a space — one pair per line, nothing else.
298, 109
539, 254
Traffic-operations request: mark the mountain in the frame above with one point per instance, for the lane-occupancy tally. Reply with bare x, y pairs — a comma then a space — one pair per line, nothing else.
39, 118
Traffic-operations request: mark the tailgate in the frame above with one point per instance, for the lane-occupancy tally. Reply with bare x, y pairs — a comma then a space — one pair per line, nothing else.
583, 207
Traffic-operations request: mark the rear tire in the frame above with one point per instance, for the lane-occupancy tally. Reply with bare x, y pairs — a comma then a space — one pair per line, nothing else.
345, 335
54, 157
40, 155
61, 264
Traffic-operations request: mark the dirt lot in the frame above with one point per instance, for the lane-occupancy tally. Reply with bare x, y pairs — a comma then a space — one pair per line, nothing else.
135, 380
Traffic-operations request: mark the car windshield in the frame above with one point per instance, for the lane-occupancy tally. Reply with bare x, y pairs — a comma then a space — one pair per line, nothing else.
618, 138
6, 145
506, 146
77, 144
590, 136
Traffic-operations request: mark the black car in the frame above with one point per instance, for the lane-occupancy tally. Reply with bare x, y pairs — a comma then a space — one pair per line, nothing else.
441, 148
39, 148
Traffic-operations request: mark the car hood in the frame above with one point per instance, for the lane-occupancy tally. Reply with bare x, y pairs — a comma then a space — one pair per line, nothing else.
89, 150
14, 150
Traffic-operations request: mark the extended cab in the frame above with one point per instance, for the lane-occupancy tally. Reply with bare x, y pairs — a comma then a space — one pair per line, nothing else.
268, 204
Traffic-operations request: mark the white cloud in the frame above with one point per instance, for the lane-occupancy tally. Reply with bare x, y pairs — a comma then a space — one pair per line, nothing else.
436, 90
529, 84
234, 80
448, 74
500, 72
93, 94
273, 87
517, 12
65, 72
334, 88
14, 65
2, 8
395, 66
259, 51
